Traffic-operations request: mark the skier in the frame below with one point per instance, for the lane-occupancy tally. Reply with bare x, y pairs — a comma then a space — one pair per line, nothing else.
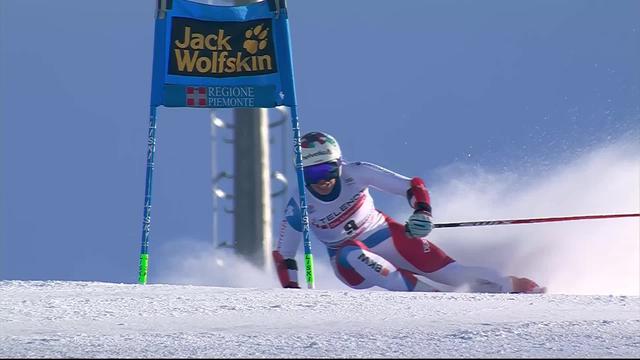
368, 248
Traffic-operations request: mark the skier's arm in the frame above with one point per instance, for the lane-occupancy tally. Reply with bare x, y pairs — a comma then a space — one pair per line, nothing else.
380, 178
288, 242
419, 224
418, 196
386, 180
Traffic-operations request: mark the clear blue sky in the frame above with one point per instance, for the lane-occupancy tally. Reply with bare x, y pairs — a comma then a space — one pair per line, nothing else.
410, 85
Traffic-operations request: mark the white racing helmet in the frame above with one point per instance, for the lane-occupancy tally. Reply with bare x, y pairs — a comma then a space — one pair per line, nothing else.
318, 147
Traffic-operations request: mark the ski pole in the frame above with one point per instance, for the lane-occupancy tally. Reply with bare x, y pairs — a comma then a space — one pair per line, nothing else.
530, 221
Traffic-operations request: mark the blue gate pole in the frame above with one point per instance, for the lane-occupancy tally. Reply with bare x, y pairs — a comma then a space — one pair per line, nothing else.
287, 61
146, 222
308, 257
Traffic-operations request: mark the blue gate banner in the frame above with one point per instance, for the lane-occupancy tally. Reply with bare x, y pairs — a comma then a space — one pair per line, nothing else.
222, 56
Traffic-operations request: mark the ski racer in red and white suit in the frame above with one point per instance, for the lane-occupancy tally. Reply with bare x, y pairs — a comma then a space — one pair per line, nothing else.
368, 248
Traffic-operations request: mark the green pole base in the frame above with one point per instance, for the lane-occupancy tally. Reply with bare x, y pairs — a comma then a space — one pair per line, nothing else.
144, 267
308, 264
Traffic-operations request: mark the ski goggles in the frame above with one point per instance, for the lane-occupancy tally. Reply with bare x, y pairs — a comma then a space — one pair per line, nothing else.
324, 171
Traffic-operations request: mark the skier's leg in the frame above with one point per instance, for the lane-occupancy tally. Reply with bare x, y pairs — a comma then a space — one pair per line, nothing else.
422, 257
476, 278
483, 279
413, 254
358, 267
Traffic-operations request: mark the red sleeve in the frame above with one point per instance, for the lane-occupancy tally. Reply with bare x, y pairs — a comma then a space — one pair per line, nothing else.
418, 195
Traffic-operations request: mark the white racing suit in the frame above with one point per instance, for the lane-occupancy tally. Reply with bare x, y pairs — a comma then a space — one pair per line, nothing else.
368, 248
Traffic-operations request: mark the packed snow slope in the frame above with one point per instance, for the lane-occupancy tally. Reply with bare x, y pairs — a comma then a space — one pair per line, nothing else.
56, 319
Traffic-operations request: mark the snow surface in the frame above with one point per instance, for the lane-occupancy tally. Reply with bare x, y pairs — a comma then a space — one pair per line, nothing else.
93, 319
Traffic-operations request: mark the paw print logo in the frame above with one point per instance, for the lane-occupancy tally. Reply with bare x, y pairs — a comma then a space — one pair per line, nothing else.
256, 39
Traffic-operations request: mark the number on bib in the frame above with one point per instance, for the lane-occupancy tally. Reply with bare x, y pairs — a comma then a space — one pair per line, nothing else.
350, 227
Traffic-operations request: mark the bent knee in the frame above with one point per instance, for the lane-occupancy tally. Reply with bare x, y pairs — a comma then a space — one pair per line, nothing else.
345, 271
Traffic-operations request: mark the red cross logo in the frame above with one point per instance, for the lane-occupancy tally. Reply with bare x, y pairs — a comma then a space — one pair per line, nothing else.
196, 96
